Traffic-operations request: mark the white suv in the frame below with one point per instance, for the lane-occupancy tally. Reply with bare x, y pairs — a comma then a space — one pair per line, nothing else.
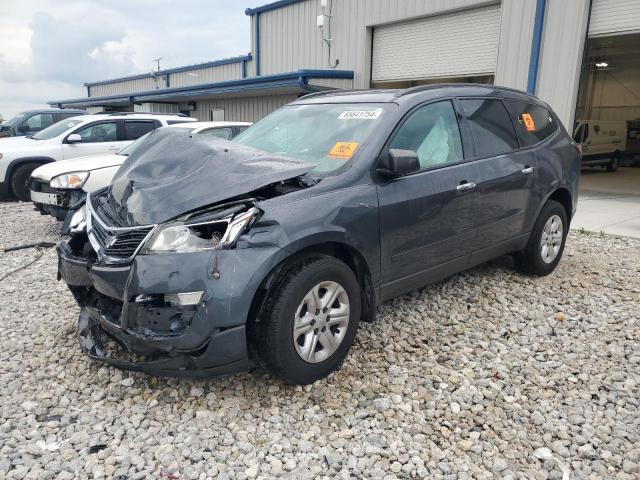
56, 186
70, 138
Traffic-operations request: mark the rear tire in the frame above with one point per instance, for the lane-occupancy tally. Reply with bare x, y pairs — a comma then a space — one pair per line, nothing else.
20, 181
321, 339
546, 242
614, 163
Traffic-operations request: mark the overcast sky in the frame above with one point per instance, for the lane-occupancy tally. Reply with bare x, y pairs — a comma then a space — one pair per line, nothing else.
49, 48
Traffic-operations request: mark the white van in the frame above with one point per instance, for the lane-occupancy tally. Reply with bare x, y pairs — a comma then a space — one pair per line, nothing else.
603, 142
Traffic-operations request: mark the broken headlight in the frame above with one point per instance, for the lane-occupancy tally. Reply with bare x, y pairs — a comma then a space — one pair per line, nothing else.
197, 237
70, 180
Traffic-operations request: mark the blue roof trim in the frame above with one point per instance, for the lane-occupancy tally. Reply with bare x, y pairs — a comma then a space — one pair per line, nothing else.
229, 86
270, 6
186, 68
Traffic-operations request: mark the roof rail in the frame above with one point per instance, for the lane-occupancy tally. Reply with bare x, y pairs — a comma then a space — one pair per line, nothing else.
423, 88
113, 114
337, 91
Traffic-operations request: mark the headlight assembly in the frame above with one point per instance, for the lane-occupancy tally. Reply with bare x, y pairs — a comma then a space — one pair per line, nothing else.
197, 237
70, 180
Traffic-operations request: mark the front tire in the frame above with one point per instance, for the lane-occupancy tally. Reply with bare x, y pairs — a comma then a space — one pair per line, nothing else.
310, 321
546, 242
20, 181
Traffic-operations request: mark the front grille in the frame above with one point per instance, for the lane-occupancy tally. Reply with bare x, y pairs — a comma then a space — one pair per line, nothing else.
113, 243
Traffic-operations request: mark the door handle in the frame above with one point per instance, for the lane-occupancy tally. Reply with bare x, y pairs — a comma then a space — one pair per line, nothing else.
465, 186
528, 170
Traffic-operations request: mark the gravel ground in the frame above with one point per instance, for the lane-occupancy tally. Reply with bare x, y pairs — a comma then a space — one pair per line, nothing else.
481, 376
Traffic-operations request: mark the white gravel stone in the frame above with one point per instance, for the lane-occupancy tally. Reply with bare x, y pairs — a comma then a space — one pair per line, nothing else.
462, 379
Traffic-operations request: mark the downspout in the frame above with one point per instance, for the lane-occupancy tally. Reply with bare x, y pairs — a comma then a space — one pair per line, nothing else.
244, 69
88, 91
304, 86
258, 44
536, 42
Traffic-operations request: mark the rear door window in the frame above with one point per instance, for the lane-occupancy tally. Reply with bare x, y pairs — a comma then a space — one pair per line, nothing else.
491, 126
533, 123
39, 121
134, 129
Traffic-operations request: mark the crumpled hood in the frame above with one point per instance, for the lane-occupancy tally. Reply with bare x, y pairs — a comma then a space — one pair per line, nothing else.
178, 172
78, 164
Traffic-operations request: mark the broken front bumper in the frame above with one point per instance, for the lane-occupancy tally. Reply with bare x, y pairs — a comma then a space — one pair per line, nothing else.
127, 321
53, 201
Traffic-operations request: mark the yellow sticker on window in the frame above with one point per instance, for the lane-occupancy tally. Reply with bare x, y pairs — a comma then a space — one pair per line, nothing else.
529, 124
343, 150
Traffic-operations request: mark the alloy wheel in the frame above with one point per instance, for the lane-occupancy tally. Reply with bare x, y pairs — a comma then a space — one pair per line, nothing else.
321, 322
551, 239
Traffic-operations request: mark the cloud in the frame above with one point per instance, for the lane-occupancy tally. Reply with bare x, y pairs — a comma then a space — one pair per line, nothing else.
50, 48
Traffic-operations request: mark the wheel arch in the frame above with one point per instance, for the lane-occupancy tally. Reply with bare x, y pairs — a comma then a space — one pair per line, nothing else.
562, 195
15, 163
348, 254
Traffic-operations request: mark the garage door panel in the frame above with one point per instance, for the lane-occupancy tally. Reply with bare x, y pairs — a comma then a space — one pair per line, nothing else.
610, 17
458, 44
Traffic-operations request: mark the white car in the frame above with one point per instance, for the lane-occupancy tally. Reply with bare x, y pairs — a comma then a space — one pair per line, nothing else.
71, 138
55, 187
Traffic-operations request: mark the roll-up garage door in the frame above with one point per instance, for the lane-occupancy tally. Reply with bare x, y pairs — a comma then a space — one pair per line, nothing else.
614, 17
459, 44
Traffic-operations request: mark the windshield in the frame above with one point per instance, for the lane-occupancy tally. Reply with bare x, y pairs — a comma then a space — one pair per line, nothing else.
327, 135
55, 129
15, 120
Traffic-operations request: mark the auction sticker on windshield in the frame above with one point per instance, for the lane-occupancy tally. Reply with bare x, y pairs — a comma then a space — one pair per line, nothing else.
529, 124
360, 114
343, 150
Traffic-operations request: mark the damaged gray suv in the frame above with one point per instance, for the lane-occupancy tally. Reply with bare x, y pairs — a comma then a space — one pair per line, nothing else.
205, 257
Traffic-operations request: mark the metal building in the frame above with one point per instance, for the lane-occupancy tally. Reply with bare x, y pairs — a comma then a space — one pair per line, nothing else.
299, 46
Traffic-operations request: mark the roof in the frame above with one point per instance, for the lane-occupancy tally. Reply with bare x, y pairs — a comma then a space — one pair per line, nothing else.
392, 95
199, 125
133, 116
186, 68
270, 6
294, 81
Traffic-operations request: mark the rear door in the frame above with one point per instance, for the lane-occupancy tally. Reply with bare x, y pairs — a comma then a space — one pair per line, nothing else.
427, 219
134, 129
97, 137
504, 173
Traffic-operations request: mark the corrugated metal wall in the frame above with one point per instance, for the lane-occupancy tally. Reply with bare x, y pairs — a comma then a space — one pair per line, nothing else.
245, 109
401, 50
230, 71
514, 48
614, 17
561, 56
128, 86
220, 73
289, 39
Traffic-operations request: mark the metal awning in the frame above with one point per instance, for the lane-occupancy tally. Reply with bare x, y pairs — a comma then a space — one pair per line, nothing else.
300, 81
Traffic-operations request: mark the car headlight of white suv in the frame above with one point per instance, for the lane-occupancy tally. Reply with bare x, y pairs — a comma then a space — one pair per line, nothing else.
70, 180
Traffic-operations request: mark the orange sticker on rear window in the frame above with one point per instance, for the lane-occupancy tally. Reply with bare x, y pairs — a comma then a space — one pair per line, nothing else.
529, 124
343, 150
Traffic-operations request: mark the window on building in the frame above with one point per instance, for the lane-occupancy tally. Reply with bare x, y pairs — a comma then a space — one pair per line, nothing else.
134, 129
491, 126
99, 132
432, 132
533, 123
216, 115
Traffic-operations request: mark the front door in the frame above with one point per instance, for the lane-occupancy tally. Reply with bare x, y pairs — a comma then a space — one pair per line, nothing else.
427, 219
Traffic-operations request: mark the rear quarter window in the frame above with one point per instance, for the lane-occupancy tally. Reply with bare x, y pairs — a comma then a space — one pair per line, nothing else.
533, 122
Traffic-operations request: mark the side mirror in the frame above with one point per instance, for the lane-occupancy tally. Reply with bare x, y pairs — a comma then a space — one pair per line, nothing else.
396, 163
24, 128
74, 138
